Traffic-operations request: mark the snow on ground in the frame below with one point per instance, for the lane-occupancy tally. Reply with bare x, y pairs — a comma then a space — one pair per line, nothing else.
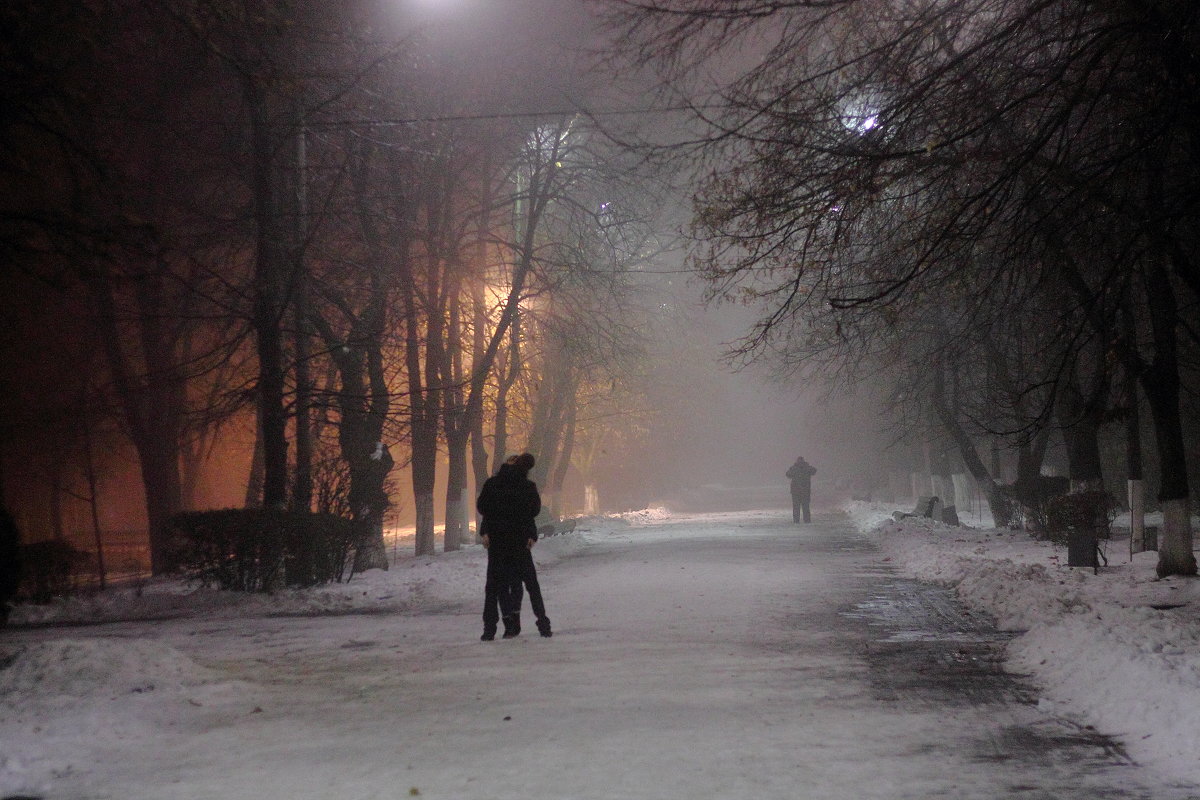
60, 695
1094, 643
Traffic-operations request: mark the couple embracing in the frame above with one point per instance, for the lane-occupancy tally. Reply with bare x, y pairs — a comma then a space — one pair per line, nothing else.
508, 503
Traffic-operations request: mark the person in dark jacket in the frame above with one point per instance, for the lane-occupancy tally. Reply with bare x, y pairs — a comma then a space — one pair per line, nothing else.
508, 503
800, 474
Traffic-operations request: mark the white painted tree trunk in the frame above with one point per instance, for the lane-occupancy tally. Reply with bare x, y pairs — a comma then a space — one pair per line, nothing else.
922, 485
1175, 555
1137, 513
456, 511
591, 500
468, 516
964, 497
423, 506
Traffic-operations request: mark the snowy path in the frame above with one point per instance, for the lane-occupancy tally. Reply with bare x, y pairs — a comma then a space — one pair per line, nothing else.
730, 656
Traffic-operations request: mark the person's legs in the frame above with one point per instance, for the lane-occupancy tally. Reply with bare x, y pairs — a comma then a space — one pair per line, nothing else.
491, 598
530, 579
511, 594
512, 619
807, 515
796, 507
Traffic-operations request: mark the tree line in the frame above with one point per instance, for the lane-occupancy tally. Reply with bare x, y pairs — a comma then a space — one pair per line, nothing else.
219, 212
992, 204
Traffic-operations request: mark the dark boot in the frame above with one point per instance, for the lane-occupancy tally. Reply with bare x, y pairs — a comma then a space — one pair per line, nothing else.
512, 626
489, 633
543, 626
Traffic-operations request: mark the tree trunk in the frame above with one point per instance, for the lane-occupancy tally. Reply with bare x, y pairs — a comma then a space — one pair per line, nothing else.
479, 454
369, 503
268, 302
556, 393
456, 484
1078, 419
302, 482
563, 462
942, 475
151, 401
1030, 457
254, 480
363, 403
423, 508
1175, 556
89, 465
998, 500
500, 423
423, 432
159, 463
1160, 382
424, 472
1133, 460
455, 421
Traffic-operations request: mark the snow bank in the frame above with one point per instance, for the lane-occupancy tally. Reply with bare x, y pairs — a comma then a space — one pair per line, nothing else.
646, 516
59, 697
82, 668
1095, 644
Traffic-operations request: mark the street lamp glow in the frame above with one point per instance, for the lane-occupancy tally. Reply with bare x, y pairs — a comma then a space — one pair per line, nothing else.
860, 115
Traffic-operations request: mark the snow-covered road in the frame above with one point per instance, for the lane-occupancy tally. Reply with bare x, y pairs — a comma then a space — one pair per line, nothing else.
724, 656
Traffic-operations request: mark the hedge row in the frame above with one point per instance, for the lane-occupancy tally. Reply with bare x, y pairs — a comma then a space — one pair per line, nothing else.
260, 550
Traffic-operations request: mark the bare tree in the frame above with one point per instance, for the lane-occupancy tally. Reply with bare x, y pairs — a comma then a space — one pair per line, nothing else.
866, 151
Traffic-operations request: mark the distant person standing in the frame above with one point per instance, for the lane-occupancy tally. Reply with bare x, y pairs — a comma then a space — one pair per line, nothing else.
800, 475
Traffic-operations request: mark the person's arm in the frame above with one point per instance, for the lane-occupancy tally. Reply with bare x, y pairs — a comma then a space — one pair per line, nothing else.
535, 507
484, 502
533, 500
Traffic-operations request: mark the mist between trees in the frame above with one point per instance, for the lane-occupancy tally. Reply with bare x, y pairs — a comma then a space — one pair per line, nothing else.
278, 243
986, 207
264, 239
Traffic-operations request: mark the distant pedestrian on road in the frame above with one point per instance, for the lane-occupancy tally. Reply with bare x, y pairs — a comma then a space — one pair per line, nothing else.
508, 503
800, 475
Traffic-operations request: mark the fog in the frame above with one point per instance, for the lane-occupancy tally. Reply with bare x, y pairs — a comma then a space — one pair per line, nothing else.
708, 425
700, 424
741, 428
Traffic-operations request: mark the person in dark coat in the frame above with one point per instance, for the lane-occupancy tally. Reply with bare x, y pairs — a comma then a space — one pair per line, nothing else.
800, 475
508, 503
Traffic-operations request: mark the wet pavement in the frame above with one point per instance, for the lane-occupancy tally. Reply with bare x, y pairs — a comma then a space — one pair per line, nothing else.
925, 651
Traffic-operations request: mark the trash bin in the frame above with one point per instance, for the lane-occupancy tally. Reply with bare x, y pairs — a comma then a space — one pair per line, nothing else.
1082, 549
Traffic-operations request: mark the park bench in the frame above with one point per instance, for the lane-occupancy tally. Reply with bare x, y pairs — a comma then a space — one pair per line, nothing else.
927, 507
